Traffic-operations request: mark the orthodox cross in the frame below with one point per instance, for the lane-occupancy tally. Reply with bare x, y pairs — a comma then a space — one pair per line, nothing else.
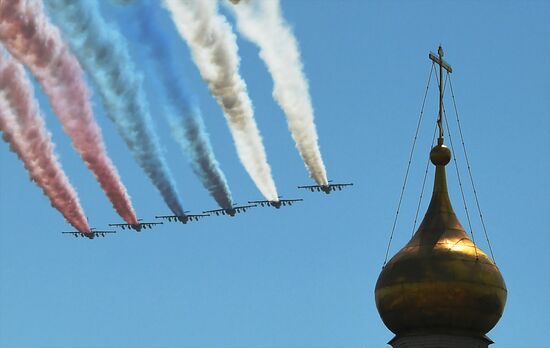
442, 65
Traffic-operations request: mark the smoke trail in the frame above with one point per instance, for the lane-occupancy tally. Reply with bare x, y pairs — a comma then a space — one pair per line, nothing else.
214, 50
261, 22
189, 132
28, 35
104, 55
24, 130
184, 115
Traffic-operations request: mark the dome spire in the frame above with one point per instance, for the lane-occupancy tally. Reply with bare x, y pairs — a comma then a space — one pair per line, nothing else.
440, 287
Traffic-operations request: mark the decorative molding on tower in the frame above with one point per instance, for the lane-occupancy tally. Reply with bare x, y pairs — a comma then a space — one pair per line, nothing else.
439, 341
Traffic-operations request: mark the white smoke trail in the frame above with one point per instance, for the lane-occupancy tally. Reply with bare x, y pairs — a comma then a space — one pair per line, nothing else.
262, 22
214, 50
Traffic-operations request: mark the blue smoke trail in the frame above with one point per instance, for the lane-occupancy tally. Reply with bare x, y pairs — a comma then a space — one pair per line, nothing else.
104, 55
185, 116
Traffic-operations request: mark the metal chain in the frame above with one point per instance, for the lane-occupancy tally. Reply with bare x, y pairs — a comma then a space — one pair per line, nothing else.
425, 171
408, 166
423, 184
459, 179
470, 173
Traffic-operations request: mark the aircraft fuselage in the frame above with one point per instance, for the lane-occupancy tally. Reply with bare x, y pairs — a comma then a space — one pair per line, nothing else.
276, 204
231, 212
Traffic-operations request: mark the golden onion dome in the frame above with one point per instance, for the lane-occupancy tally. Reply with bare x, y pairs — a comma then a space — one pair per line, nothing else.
440, 282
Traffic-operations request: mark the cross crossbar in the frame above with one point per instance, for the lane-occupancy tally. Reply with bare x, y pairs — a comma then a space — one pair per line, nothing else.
441, 62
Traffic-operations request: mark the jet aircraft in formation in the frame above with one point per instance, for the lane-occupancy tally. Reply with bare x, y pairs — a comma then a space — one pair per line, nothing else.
137, 227
93, 233
325, 188
276, 204
232, 211
182, 218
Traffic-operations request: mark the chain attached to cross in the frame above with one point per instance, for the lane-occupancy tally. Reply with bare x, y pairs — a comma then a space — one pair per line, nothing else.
442, 65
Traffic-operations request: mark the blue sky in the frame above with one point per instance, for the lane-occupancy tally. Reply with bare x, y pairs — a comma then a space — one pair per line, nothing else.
305, 276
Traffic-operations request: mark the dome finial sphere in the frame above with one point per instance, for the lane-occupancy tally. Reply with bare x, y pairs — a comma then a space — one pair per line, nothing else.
440, 155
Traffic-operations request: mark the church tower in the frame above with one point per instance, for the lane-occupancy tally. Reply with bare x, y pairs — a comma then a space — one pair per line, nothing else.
440, 290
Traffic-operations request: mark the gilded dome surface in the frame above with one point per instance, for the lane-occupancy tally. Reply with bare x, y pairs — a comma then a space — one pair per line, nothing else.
440, 281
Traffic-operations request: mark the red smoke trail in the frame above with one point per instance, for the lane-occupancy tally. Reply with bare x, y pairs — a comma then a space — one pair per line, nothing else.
24, 130
33, 40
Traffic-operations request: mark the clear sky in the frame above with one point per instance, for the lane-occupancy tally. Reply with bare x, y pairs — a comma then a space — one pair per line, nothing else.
303, 276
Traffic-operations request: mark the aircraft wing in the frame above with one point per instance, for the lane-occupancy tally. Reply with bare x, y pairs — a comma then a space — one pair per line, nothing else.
196, 217
264, 203
238, 209
74, 233
243, 207
167, 217
100, 233
312, 188
291, 200
175, 218
339, 186
95, 233
214, 211
309, 186
123, 226
79, 234
330, 186
259, 202
171, 218
149, 224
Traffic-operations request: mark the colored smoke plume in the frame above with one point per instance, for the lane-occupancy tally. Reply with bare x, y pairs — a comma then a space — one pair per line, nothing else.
33, 40
105, 57
24, 129
184, 114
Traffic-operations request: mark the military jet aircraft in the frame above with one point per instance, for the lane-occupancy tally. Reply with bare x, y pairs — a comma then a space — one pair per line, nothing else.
182, 218
276, 204
137, 227
230, 211
325, 188
92, 234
